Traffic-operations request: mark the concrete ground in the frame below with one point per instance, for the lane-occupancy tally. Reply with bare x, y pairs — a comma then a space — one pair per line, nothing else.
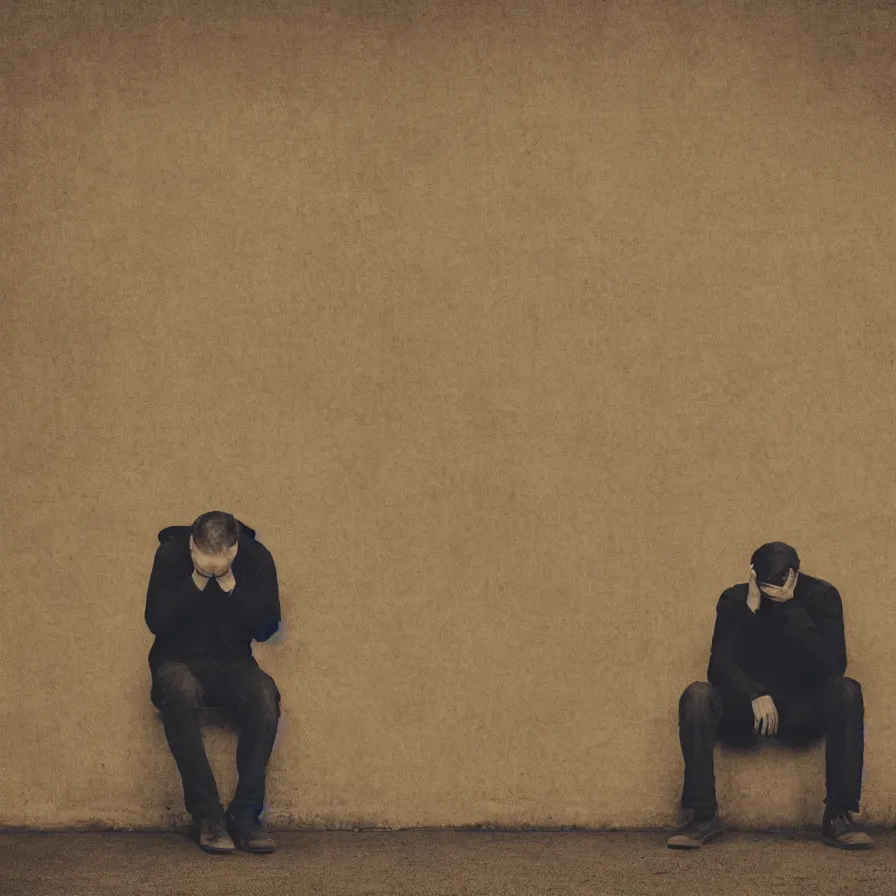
421, 863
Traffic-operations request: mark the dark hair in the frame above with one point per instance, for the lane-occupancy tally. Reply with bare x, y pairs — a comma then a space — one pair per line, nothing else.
216, 531
772, 561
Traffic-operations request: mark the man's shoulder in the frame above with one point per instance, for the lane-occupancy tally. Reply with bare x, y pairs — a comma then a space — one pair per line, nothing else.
815, 580
251, 546
734, 593
174, 534
814, 585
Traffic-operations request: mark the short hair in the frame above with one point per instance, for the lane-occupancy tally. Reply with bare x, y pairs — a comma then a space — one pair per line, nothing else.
772, 560
214, 532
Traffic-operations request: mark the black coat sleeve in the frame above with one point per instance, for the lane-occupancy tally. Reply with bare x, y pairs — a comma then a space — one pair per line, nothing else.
814, 633
734, 620
256, 597
172, 596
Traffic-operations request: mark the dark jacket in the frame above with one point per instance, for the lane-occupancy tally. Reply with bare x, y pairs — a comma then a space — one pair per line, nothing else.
790, 646
209, 625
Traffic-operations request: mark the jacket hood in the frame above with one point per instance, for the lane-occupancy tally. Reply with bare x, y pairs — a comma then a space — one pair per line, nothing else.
184, 531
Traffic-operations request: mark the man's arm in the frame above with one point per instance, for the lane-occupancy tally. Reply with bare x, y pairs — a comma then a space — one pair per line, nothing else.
734, 619
256, 598
172, 594
817, 639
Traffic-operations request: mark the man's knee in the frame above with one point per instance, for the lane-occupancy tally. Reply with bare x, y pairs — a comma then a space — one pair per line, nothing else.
843, 693
175, 684
261, 698
698, 699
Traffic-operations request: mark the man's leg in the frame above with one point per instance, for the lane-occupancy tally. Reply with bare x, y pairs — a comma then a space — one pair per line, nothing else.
699, 711
254, 701
836, 712
176, 691
703, 716
845, 742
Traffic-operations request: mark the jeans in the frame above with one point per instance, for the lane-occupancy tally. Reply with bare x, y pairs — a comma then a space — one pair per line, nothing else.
179, 690
834, 711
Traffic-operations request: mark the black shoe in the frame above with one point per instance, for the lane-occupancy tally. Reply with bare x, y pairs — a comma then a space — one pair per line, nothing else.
838, 829
250, 834
213, 836
695, 833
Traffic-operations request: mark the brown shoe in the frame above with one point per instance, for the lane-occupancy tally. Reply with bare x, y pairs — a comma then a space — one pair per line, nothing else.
250, 834
695, 833
213, 837
838, 829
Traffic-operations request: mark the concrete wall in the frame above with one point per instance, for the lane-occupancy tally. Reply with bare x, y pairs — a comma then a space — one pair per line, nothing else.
513, 328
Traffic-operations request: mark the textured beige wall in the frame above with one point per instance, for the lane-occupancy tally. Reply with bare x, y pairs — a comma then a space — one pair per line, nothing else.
513, 328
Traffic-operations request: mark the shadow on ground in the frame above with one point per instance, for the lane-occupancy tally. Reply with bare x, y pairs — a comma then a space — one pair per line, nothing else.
443, 864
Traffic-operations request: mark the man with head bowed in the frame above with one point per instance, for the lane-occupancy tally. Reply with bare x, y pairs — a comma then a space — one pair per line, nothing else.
212, 591
777, 669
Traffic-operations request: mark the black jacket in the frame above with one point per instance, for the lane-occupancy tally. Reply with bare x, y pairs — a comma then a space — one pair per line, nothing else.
790, 646
209, 625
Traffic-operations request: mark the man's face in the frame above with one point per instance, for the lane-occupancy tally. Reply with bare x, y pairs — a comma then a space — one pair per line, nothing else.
212, 565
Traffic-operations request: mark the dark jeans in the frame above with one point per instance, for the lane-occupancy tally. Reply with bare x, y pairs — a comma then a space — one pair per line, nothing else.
835, 711
251, 696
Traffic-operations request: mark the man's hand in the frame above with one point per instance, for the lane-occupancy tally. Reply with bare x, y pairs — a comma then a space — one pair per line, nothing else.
754, 597
199, 581
780, 594
765, 714
227, 582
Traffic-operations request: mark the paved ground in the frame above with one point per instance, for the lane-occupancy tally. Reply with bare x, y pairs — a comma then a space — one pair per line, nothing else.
444, 863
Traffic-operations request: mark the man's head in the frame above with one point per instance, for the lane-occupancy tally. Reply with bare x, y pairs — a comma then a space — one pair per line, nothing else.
773, 563
214, 539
